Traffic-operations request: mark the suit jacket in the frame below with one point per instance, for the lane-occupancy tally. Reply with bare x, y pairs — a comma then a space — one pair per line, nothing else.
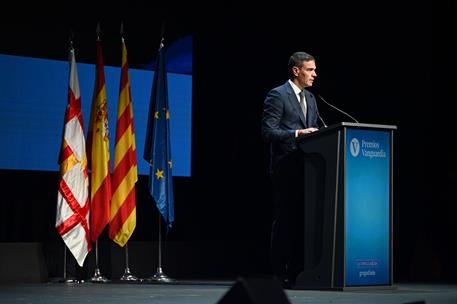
282, 115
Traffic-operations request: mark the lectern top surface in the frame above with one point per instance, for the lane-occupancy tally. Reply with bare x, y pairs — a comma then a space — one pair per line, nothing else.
351, 125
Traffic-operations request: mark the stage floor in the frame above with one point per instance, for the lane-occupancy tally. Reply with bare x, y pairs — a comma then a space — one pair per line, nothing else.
210, 292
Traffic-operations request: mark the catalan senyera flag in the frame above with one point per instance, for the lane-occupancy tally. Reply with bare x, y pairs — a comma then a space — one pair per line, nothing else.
72, 216
125, 175
98, 153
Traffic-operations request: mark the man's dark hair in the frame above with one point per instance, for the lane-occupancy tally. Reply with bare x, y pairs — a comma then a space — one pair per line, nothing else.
296, 60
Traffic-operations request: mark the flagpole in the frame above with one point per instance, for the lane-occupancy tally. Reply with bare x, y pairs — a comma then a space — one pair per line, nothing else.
98, 277
160, 276
74, 238
158, 154
65, 279
64, 262
128, 276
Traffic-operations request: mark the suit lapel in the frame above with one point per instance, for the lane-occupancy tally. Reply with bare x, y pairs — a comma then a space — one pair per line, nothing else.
294, 102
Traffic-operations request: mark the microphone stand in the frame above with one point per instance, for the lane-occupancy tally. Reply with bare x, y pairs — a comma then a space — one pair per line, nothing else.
320, 118
336, 109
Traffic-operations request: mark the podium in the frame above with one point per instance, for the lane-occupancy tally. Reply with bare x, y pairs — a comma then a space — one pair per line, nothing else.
348, 197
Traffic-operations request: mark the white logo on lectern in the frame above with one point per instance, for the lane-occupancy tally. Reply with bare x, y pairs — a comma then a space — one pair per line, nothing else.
354, 147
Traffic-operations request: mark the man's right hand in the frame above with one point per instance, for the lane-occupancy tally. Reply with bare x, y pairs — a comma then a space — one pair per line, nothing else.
306, 131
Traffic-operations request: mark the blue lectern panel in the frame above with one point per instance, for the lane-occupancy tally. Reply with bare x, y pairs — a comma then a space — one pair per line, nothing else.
367, 213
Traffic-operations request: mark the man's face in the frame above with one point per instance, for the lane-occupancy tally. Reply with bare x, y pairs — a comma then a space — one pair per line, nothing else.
306, 74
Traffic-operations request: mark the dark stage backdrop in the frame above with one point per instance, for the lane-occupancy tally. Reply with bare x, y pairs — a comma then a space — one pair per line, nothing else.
384, 63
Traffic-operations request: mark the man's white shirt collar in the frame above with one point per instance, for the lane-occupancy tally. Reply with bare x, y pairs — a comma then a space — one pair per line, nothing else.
294, 87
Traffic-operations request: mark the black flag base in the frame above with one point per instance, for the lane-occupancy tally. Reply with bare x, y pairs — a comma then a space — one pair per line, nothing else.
98, 277
159, 277
128, 276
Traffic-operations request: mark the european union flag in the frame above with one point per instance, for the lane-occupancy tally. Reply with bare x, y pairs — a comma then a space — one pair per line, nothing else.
157, 148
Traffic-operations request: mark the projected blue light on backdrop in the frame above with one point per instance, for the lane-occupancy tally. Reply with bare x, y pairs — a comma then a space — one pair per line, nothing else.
33, 97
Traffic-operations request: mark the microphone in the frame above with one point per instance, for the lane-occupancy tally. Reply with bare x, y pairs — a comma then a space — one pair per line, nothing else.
320, 118
337, 109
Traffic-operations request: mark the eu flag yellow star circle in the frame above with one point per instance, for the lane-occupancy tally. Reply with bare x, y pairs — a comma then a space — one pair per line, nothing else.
159, 174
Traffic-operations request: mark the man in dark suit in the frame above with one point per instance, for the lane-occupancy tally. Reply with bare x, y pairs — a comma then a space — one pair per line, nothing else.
289, 111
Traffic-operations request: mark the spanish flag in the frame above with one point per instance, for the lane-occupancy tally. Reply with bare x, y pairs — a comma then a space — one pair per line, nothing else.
98, 152
125, 175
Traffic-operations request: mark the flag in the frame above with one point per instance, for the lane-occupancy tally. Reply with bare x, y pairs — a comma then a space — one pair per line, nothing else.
125, 175
72, 216
98, 153
157, 148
